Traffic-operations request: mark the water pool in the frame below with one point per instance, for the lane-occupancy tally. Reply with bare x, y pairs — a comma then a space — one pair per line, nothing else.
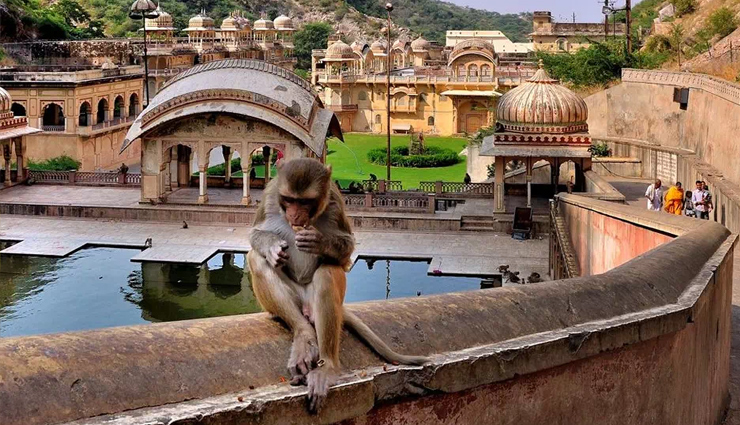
101, 287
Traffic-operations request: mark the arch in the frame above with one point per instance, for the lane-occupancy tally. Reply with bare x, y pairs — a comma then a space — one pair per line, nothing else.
485, 70
377, 118
133, 105
346, 97
401, 99
362, 95
430, 121
85, 114
462, 71
118, 107
102, 113
562, 44
18, 110
473, 70
53, 116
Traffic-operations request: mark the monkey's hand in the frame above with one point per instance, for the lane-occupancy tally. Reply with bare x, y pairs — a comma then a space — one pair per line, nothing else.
309, 240
277, 254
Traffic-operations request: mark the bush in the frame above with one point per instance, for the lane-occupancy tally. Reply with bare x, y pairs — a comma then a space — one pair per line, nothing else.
721, 22
684, 7
600, 150
434, 156
60, 163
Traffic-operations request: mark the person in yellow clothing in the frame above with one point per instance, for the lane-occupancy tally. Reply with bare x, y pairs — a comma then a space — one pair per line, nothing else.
674, 200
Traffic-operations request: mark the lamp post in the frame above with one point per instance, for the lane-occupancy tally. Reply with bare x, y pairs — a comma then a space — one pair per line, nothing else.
389, 8
144, 9
606, 9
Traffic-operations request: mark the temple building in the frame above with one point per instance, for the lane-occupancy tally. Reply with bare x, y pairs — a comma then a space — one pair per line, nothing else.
83, 112
540, 123
551, 36
235, 105
13, 133
435, 89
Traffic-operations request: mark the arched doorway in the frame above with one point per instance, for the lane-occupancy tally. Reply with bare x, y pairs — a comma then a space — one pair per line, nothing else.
53, 119
85, 118
102, 115
18, 110
133, 105
471, 116
118, 107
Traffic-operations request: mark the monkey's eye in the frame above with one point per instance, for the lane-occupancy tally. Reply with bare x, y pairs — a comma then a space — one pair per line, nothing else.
287, 199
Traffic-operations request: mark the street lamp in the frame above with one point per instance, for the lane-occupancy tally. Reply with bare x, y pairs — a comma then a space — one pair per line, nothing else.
389, 8
606, 10
144, 9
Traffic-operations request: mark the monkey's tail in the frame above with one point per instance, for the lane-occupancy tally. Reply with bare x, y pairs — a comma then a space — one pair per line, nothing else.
377, 344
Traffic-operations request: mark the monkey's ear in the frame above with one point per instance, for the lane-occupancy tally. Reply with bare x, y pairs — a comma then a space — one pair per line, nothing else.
328, 169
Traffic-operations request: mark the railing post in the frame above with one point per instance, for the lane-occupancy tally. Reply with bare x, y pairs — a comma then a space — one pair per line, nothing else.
438, 187
432, 207
368, 200
381, 186
121, 178
72, 176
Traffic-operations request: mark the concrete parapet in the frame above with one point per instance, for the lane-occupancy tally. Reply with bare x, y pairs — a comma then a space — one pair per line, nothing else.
644, 343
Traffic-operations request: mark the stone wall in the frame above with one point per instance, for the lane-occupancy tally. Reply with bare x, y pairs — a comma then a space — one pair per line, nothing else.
68, 52
644, 343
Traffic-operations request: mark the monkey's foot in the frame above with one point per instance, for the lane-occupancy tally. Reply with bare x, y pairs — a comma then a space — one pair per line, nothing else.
303, 354
319, 382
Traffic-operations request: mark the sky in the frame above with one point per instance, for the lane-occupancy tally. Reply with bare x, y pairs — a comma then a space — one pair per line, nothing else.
562, 10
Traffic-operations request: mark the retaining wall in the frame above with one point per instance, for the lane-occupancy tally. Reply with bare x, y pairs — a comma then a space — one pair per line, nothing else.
644, 343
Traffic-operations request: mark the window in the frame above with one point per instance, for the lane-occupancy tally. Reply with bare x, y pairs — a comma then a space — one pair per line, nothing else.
18, 110
362, 95
118, 107
377, 119
563, 45
84, 120
133, 105
102, 114
53, 115
430, 121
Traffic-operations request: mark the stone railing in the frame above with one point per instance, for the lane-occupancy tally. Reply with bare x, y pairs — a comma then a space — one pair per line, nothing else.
563, 262
580, 349
85, 178
53, 128
382, 186
113, 122
392, 202
484, 190
716, 86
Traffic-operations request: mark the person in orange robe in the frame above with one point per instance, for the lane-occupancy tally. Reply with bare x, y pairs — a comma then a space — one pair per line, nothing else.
674, 200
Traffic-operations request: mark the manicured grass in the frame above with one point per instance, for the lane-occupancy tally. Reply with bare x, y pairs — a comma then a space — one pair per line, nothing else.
346, 168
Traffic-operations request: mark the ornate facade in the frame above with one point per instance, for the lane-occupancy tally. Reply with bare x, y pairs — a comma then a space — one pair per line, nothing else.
435, 89
550, 36
13, 132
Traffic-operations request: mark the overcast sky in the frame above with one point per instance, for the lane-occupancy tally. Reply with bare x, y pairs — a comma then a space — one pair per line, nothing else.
562, 10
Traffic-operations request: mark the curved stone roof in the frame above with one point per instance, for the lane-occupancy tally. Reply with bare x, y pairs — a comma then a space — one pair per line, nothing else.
378, 46
5, 101
200, 20
245, 87
284, 23
339, 50
263, 24
420, 45
473, 47
542, 106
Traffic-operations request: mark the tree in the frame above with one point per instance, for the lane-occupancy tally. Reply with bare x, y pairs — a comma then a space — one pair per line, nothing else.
676, 37
722, 22
684, 7
313, 36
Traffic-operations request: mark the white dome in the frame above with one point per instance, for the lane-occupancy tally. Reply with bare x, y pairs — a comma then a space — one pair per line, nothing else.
283, 22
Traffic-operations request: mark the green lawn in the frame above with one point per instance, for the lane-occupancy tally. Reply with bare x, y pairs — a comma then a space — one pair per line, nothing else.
346, 168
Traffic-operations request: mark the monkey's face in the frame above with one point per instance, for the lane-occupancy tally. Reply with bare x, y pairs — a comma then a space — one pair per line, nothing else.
303, 188
299, 211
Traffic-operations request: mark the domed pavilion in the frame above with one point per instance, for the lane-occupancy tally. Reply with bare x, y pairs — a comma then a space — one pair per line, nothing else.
12, 132
540, 120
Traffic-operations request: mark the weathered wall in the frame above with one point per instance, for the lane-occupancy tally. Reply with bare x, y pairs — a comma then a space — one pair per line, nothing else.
645, 343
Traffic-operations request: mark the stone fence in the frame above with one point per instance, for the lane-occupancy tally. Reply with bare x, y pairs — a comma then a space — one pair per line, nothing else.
579, 351
392, 202
85, 178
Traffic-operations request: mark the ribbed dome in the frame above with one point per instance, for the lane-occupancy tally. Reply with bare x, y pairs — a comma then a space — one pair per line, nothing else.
200, 21
472, 44
339, 50
542, 105
378, 46
5, 101
283, 22
164, 20
263, 24
420, 45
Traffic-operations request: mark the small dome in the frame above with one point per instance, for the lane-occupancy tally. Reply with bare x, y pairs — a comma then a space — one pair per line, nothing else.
339, 50
229, 23
542, 105
5, 101
164, 20
263, 24
200, 21
399, 44
378, 46
420, 45
283, 22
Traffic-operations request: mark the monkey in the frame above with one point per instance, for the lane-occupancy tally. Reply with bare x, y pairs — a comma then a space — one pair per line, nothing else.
148, 243
301, 249
184, 224
503, 269
373, 177
514, 277
534, 278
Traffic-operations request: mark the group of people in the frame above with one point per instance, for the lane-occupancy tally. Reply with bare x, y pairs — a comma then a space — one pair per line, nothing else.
697, 203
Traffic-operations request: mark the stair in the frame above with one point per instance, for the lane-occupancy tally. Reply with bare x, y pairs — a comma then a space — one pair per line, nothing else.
477, 224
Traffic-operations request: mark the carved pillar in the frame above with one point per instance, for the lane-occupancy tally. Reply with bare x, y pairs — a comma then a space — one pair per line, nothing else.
498, 195
6, 156
226, 150
529, 182
203, 170
266, 154
183, 166
246, 171
19, 161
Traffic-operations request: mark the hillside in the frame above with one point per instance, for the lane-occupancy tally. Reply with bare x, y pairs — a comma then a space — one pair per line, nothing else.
45, 19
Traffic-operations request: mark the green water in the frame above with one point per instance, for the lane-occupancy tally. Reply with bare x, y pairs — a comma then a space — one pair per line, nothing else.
101, 287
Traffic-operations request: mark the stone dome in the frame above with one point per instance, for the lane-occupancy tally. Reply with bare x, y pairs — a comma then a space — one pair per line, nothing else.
420, 45
5, 101
339, 50
472, 44
263, 24
283, 22
200, 21
162, 21
378, 46
399, 45
229, 23
542, 105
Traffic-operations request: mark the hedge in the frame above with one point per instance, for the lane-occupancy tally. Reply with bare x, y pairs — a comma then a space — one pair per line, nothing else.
434, 156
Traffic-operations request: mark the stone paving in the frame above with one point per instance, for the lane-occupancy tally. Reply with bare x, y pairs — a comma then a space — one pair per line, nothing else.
454, 251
